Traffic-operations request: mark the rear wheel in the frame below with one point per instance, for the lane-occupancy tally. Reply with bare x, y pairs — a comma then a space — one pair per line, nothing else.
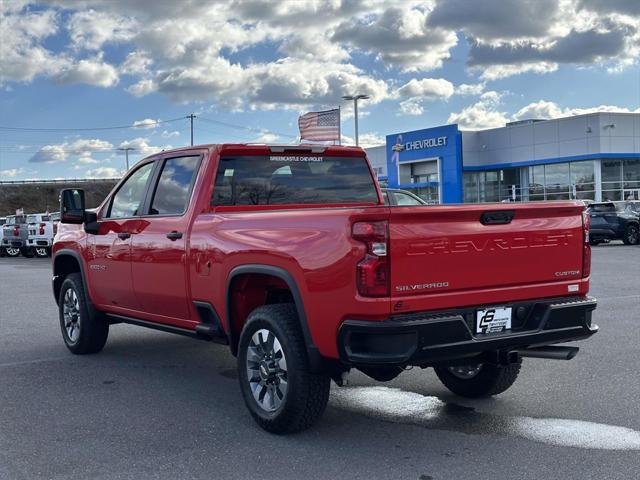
83, 329
631, 235
27, 252
479, 380
281, 393
41, 252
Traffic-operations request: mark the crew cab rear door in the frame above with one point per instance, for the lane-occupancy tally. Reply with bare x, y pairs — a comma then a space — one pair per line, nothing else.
461, 253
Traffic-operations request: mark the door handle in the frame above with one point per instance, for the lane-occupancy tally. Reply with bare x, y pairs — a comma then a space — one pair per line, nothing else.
174, 235
124, 235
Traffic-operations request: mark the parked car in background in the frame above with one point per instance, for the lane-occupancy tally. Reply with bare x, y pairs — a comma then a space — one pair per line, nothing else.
608, 223
397, 197
40, 239
14, 236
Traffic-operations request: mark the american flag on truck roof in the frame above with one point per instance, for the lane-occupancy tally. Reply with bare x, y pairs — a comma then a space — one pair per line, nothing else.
320, 126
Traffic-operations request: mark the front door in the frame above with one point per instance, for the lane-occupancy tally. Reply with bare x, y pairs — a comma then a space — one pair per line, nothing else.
159, 248
109, 252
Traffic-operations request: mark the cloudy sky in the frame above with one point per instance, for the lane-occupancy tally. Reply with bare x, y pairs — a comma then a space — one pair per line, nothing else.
247, 69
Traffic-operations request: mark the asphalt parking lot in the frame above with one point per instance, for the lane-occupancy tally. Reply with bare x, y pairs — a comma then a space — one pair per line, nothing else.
153, 405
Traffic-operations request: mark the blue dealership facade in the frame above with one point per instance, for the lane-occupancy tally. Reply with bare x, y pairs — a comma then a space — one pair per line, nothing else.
592, 157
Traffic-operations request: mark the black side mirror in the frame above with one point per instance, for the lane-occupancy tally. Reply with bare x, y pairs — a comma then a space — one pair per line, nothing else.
72, 206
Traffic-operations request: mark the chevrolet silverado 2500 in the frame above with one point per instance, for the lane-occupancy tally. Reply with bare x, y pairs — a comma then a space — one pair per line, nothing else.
288, 255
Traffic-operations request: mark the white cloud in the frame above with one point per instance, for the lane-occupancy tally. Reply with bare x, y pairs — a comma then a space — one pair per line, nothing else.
411, 107
486, 113
141, 146
266, 137
146, 123
86, 159
142, 88
365, 140
136, 63
104, 172
170, 134
11, 172
427, 88
23, 56
399, 37
545, 110
91, 29
470, 89
482, 114
49, 154
60, 152
92, 71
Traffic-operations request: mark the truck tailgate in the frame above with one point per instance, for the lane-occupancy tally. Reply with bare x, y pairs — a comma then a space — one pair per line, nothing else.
454, 251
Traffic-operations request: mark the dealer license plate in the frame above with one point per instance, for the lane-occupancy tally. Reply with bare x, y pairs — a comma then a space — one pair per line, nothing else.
493, 320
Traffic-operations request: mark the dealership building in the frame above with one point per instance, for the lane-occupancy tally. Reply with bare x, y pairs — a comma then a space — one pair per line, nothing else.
594, 156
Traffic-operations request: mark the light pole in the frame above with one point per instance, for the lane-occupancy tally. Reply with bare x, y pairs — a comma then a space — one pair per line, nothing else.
355, 99
126, 153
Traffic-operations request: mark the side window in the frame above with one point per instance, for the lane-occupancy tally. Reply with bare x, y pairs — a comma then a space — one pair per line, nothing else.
174, 186
385, 197
129, 197
404, 199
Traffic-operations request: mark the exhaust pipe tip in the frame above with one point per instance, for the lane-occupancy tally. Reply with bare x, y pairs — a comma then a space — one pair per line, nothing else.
549, 352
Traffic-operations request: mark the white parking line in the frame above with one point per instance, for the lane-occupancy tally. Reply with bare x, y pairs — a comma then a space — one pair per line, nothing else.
395, 405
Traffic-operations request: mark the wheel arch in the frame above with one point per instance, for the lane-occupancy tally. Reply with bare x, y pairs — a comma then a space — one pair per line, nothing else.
282, 274
65, 262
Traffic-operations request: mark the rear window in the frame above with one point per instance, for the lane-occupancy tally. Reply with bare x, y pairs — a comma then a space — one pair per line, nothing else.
603, 207
293, 179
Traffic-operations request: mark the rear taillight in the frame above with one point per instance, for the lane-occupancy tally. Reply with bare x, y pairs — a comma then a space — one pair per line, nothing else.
42, 225
16, 230
372, 272
55, 228
586, 247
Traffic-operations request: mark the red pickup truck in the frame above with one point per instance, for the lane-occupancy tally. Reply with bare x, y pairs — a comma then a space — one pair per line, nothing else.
288, 255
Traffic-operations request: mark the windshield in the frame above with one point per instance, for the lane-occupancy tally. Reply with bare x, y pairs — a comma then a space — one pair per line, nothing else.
16, 220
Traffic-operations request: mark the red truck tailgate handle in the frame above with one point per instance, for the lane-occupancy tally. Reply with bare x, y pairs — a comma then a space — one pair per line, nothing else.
123, 235
174, 235
496, 218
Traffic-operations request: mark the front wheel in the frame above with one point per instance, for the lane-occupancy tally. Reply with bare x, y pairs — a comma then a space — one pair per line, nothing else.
83, 330
481, 380
11, 251
281, 393
631, 235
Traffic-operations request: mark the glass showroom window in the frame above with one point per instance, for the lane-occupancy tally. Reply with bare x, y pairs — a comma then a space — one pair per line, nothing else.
536, 183
471, 190
611, 180
631, 178
509, 178
556, 178
582, 177
490, 187
429, 194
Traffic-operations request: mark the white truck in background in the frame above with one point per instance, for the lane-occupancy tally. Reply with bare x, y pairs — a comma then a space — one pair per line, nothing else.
42, 228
